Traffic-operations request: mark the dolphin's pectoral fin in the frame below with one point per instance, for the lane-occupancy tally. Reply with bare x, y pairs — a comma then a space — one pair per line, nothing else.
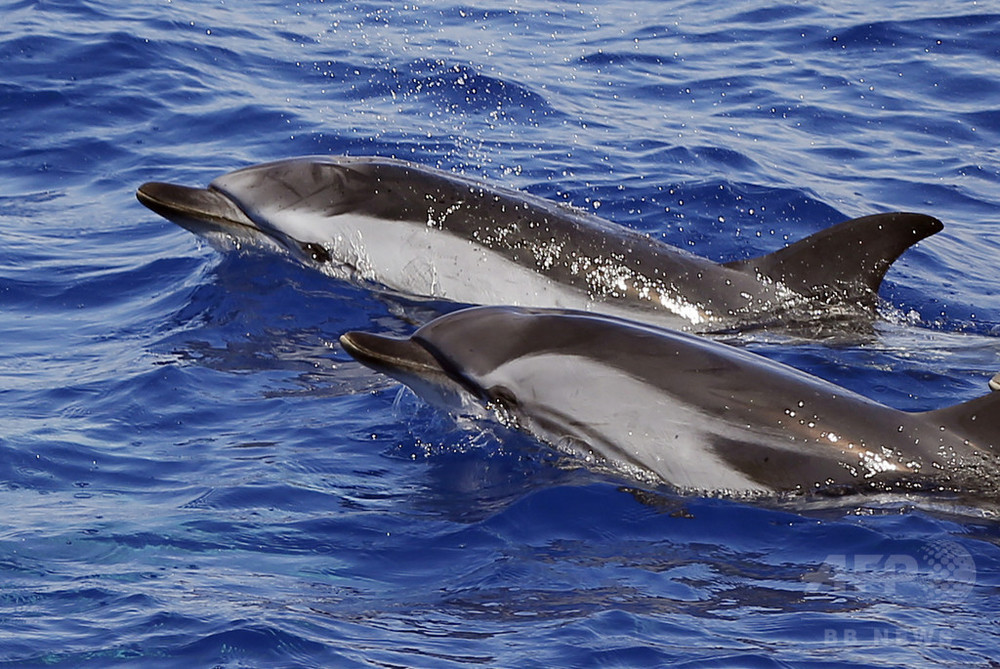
845, 262
661, 502
977, 420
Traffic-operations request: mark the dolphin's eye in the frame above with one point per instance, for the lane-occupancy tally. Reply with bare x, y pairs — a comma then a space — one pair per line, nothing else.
503, 397
316, 252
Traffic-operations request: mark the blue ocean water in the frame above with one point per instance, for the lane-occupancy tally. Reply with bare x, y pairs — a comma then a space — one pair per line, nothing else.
192, 472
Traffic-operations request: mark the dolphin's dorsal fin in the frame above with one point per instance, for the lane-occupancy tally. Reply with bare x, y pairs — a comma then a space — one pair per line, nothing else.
846, 261
977, 420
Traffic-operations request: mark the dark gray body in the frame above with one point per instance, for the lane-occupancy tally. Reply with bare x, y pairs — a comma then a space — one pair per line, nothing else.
428, 233
683, 410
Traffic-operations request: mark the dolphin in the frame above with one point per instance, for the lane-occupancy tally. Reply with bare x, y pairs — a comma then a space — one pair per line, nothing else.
428, 233
668, 407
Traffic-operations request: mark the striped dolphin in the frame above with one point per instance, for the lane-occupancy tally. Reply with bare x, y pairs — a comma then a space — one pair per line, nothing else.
428, 233
669, 407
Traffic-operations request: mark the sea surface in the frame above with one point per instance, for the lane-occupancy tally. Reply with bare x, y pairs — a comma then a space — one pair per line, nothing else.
194, 473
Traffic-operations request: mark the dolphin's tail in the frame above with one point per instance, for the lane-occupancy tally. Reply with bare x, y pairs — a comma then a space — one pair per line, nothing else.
847, 261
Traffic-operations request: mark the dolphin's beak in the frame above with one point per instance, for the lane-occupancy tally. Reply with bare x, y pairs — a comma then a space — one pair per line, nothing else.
410, 363
193, 208
391, 355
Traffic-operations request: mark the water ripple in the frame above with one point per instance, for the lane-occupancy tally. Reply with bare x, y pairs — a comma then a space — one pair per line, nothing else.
192, 470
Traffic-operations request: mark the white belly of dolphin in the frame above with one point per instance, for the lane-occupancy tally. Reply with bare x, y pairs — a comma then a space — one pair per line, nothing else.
634, 427
424, 260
